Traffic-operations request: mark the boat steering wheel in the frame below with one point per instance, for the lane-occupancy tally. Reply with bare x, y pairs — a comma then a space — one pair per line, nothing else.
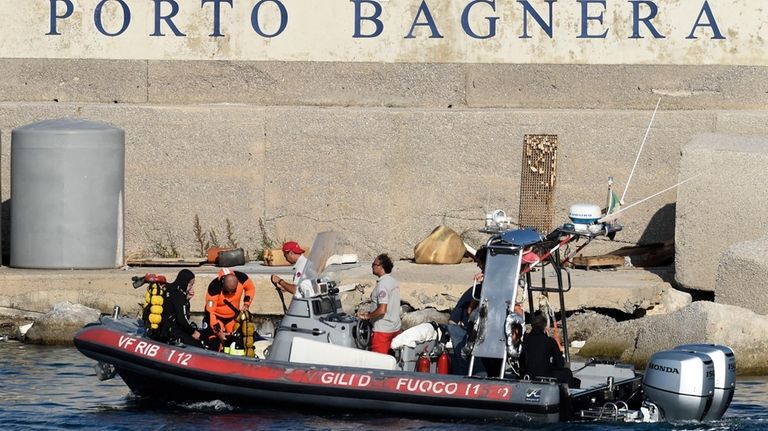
363, 334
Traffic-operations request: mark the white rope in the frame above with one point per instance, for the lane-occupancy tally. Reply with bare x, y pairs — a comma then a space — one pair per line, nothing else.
614, 216
621, 201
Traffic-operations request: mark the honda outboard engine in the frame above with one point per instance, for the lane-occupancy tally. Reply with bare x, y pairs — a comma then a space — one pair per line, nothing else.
680, 383
725, 375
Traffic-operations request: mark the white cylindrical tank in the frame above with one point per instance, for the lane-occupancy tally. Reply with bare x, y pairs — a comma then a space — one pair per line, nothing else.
67, 181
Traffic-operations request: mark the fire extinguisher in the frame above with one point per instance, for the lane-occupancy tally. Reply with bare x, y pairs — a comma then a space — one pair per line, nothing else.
422, 365
443, 363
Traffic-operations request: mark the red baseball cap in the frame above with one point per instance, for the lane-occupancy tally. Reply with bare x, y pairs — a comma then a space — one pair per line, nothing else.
292, 246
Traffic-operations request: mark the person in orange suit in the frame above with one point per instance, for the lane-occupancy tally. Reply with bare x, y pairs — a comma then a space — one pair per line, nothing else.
223, 304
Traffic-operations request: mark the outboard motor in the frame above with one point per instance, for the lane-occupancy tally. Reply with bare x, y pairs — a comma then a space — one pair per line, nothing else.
681, 384
725, 375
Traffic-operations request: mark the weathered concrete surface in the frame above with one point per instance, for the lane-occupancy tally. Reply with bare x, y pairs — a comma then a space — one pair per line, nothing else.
59, 325
59, 80
422, 286
385, 152
543, 86
415, 170
399, 173
307, 83
725, 204
635, 341
742, 276
410, 171
617, 86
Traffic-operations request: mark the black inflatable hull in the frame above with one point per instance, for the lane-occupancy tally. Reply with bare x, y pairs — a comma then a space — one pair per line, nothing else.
182, 373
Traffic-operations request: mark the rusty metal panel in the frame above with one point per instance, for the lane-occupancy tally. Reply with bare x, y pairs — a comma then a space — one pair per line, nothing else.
537, 182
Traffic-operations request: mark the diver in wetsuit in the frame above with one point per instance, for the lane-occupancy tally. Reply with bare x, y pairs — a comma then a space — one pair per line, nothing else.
176, 326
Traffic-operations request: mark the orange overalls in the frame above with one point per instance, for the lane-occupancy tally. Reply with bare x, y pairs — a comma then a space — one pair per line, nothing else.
222, 309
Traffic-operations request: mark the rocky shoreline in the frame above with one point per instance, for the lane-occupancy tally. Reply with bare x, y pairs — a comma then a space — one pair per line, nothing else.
624, 319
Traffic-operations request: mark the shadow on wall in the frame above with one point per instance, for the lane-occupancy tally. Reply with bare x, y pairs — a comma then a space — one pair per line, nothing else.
661, 227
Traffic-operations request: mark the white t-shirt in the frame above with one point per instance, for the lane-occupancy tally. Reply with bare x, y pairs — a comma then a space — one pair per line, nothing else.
303, 289
387, 291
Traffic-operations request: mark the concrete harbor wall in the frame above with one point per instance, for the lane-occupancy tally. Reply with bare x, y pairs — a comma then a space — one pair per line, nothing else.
726, 206
382, 152
384, 138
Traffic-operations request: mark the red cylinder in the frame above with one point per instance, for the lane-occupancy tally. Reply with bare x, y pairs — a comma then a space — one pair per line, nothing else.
422, 365
443, 363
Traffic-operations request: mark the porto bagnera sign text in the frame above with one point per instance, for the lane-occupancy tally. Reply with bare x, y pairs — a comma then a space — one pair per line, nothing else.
443, 31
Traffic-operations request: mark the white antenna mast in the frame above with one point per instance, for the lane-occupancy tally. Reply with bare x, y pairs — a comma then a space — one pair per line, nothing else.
621, 201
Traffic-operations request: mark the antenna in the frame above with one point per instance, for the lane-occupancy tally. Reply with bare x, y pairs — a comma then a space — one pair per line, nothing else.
640, 152
614, 216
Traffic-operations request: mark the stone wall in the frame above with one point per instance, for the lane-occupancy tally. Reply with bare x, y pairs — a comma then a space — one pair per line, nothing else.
381, 152
726, 204
742, 275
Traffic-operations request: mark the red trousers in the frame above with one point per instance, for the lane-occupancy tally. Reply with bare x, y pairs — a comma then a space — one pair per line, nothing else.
382, 340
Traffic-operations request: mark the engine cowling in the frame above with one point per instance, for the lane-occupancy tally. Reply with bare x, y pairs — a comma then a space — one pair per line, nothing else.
725, 375
681, 383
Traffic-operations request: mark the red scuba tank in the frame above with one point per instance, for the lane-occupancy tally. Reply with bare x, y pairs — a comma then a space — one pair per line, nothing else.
422, 365
443, 363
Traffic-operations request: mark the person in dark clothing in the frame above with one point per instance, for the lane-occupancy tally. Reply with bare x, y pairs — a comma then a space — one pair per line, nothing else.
459, 323
540, 356
176, 324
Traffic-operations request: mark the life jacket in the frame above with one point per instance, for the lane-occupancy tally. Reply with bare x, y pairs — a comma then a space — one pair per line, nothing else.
154, 298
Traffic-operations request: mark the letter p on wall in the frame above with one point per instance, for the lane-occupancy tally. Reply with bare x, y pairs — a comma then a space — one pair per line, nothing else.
69, 8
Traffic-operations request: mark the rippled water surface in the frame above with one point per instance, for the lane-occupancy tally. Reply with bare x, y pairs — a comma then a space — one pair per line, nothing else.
56, 388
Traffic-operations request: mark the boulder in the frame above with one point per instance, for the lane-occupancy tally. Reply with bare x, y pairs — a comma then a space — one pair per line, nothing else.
60, 324
12, 320
582, 325
8, 329
742, 275
442, 246
726, 203
669, 300
634, 341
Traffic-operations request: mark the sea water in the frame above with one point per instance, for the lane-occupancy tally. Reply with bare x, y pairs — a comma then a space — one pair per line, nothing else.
52, 388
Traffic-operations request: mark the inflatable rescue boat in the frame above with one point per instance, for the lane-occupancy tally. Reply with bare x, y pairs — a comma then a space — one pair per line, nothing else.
318, 358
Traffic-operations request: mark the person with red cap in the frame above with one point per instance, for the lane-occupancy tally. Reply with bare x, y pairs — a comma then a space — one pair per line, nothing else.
294, 254
222, 304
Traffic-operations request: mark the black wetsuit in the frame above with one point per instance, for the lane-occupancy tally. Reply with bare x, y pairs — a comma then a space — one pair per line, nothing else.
176, 323
542, 358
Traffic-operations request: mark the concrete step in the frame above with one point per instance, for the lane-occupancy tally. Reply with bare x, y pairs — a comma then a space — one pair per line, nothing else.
438, 286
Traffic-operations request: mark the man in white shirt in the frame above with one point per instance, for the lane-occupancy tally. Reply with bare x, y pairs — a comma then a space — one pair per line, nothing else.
294, 254
385, 307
